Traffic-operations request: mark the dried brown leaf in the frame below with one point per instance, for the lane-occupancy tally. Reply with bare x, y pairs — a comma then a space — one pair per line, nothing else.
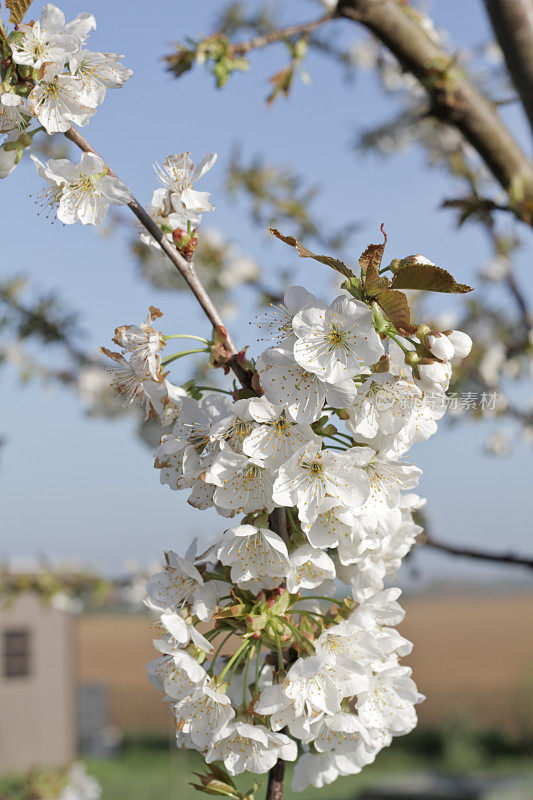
304, 252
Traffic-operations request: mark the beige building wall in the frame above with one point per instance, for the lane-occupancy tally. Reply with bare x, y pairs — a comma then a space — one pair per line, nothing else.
37, 711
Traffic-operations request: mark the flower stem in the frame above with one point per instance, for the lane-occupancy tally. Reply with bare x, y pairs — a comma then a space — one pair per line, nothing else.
219, 648
234, 657
334, 439
257, 666
186, 336
345, 436
398, 342
175, 357
316, 597
213, 389
247, 667
296, 632
235, 666
311, 614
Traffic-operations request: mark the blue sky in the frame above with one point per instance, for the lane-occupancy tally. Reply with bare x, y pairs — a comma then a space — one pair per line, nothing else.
77, 486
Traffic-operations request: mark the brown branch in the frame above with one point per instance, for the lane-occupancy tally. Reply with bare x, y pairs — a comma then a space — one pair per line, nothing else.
275, 781
467, 552
279, 35
184, 267
512, 22
453, 98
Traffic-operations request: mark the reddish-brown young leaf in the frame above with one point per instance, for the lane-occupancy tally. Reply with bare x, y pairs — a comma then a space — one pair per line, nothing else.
370, 262
396, 307
304, 252
18, 8
428, 278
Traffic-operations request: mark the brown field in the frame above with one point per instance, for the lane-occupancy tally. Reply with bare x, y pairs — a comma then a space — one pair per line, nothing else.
473, 658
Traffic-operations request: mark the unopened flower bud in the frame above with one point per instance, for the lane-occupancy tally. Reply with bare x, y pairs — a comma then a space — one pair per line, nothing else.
439, 345
462, 343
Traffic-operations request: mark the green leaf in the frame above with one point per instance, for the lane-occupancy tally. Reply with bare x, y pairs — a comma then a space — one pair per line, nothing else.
428, 278
370, 262
304, 252
396, 307
18, 8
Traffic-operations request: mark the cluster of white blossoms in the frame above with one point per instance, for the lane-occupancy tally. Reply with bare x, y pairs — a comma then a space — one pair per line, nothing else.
176, 206
54, 80
69, 81
260, 659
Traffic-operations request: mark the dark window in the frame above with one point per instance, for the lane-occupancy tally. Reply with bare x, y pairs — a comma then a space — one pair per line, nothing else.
16, 653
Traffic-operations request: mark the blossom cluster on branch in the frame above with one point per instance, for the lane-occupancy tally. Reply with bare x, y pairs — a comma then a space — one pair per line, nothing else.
306, 451
49, 77
303, 453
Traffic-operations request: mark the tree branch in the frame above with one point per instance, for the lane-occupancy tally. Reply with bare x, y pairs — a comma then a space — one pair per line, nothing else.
185, 268
279, 35
467, 552
453, 98
512, 22
275, 781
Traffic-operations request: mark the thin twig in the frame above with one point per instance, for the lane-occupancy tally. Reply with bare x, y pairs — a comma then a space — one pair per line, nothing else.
185, 268
279, 35
467, 552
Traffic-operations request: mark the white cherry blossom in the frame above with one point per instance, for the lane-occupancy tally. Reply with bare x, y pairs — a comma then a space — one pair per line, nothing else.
243, 484
276, 438
180, 583
205, 715
177, 675
258, 557
313, 474
309, 568
387, 478
99, 72
166, 217
303, 394
143, 340
58, 100
317, 684
389, 701
176, 631
86, 189
134, 381
439, 345
253, 748
337, 341
45, 41
348, 644
12, 116
314, 769
343, 733
384, 403
178, 174
277, 323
